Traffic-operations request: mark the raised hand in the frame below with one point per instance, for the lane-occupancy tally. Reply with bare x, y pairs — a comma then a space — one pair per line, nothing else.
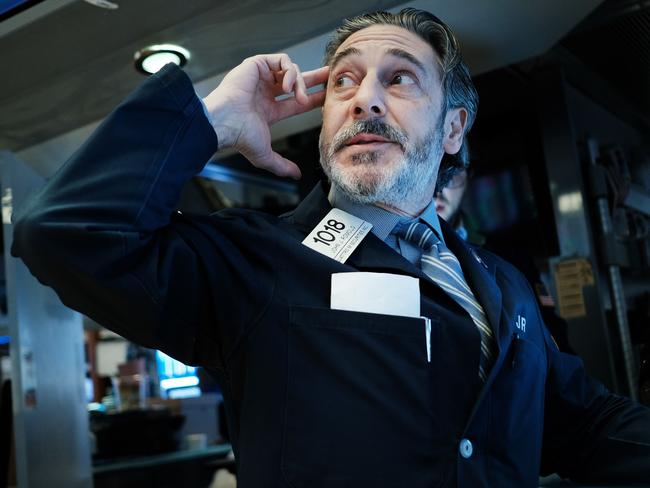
245, 104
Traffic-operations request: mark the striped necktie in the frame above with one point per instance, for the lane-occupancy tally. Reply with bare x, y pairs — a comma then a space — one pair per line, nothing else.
439, 264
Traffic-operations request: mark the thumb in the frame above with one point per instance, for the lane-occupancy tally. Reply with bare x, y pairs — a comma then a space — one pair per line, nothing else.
288, 169
276, 164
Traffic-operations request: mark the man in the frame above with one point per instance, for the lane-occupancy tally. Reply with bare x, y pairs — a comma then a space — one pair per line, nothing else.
448, 201
316, 395
448, 206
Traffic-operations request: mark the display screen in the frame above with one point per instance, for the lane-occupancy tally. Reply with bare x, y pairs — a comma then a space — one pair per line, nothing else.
501, 200
174, 375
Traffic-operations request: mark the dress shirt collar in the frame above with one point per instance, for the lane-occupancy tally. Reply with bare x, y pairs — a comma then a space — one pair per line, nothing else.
383, 222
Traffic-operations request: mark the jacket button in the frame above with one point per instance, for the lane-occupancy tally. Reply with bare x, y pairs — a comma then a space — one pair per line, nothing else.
466, 449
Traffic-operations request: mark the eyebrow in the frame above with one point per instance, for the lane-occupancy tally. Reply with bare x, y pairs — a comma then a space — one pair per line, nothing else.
400, 53
343, 54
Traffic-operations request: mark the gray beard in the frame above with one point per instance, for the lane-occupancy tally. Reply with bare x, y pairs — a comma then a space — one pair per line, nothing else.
402, 186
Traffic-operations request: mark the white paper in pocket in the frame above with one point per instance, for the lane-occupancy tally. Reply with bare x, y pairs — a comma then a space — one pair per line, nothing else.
383, 293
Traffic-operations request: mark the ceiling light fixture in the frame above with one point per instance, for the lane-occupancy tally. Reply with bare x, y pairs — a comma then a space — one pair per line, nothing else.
103, 4
150, 59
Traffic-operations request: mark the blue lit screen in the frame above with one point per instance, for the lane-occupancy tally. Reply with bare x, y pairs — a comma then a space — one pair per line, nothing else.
174, 374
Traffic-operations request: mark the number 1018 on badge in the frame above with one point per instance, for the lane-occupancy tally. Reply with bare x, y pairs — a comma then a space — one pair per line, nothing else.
337, 235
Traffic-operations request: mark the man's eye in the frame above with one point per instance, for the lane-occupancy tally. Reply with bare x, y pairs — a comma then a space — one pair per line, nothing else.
402, 79
343, 81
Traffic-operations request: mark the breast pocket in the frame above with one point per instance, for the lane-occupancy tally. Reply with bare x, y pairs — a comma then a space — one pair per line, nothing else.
357, 407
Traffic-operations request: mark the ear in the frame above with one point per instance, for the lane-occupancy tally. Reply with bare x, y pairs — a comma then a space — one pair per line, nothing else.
455, 121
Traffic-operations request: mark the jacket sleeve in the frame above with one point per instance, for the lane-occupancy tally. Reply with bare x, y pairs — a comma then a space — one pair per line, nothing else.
591, 434
104, 234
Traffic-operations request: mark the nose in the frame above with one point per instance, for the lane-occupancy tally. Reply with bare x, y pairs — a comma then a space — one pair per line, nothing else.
369, 100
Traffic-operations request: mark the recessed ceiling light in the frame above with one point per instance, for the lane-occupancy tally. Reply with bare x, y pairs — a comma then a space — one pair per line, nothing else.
103, 4
150, 59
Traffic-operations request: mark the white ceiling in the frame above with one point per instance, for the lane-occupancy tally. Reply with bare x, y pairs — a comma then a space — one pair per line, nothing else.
49, 107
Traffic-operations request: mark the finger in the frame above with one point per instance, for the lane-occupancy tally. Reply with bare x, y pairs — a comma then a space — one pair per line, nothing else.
266, 74
276, 67
274, 62
277, 90
272, 66
290, 106
285, 62
307, 80
289, 79
290, 73
316, 76
300, 82
300, 89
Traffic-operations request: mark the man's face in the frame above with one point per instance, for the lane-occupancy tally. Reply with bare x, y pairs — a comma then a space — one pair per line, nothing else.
381, 140
449, 199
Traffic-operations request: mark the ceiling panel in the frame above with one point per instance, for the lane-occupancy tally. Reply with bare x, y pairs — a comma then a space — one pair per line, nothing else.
69, 67
74, 65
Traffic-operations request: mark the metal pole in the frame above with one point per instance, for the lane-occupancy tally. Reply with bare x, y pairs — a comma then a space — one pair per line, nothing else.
616, 286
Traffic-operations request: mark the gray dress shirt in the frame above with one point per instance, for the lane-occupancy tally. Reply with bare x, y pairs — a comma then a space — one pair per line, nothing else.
383, 222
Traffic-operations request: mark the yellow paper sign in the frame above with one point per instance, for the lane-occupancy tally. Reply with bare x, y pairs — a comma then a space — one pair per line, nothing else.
571, 276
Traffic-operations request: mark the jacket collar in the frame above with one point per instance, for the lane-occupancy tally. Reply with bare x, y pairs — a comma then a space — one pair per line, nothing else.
311, 209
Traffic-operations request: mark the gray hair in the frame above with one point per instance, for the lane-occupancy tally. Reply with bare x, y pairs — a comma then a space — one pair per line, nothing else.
457, 86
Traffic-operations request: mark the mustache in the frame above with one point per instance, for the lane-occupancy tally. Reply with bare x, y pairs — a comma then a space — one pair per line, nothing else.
373, 126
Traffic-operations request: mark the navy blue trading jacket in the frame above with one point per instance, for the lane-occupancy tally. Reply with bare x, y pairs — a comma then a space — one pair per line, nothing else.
315, 397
